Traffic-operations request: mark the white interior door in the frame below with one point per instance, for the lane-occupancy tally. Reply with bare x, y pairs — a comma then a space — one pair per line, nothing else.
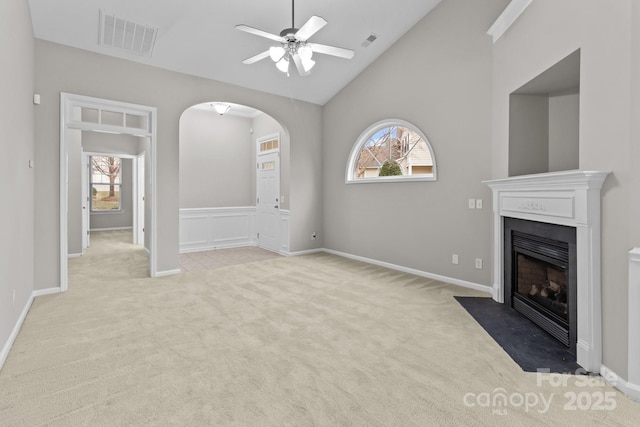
86, 202
138, 200
268, 193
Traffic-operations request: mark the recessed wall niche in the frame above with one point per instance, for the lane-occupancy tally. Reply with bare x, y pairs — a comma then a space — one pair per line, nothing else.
544, 120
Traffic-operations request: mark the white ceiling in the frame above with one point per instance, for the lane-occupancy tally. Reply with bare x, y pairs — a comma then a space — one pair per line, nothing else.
198, 37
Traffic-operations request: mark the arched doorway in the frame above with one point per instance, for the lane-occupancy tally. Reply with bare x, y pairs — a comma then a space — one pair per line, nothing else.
219, 171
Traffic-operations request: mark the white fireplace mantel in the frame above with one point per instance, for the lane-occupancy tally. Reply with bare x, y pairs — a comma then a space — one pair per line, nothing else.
570, 198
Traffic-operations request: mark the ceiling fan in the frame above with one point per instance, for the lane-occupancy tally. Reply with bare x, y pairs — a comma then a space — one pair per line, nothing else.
294, 45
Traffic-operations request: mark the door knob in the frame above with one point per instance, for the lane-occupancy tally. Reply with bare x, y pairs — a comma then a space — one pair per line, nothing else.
276, 206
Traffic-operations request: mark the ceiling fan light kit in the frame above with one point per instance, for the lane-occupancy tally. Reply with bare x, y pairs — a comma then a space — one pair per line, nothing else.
294, 46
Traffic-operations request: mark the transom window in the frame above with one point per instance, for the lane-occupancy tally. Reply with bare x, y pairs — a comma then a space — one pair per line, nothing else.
105, 183
391, 150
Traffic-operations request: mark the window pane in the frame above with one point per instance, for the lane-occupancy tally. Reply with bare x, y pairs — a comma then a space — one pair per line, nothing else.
105, 183
113, 118
103, 199
136, 121
90, 115
391, 150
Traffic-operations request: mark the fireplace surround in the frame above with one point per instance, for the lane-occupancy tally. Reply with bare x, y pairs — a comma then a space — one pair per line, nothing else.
572, 199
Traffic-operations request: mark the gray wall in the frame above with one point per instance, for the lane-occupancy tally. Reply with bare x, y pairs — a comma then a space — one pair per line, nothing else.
543, 133
564, 135
61, 68
438, 77
16, 149
74, 192
109, 143
528, 134
217, 160
548, 31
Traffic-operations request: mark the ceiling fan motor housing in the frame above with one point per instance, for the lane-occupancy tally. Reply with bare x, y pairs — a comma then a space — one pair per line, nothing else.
289, 34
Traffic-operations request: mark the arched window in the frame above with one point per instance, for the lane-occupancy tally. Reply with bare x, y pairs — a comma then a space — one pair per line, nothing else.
389, 151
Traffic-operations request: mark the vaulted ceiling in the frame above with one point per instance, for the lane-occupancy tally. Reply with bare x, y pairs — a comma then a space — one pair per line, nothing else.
198, 37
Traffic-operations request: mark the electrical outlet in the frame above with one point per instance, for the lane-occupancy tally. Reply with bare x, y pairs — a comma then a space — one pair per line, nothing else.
472, 203
479, 263
454, 259
313, 236
14, 297
478, 203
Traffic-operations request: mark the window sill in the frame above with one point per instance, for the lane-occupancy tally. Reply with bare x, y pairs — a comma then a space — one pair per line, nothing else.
374, 180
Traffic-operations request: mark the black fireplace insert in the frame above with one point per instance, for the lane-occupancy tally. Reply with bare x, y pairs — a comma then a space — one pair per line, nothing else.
540, 275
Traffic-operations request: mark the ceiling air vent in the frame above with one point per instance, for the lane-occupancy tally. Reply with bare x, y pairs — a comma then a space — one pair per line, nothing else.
369, 40
127, 36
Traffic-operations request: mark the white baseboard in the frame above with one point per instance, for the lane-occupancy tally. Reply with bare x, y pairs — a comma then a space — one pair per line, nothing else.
629, 389
216, 247
74, 255
168, 273
23, 315
111, 229
307, 252
451, 280
14, 333
43, 292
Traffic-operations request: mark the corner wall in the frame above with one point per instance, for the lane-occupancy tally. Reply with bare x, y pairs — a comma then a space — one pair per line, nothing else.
546, 32
16, 177
216, 160
438, 77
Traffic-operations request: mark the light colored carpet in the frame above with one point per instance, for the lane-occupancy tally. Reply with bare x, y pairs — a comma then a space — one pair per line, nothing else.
314, 340
208, 260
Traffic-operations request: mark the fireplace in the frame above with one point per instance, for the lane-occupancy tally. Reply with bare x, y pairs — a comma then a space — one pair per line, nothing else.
571, 199
540, 276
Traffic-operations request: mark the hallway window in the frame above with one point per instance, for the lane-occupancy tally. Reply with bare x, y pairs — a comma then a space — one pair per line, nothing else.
391, 150
105, 183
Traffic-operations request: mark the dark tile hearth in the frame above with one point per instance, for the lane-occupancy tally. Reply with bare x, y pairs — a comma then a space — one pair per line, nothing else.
528, 345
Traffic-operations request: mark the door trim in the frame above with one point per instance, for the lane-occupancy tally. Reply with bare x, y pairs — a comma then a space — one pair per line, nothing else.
69, 119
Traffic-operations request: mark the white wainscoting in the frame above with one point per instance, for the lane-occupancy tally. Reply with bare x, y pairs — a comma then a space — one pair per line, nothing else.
284, 231
214, 228
632, 388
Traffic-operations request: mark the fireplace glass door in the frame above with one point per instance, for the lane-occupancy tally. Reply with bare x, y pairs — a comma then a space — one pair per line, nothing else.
540, 276
543, 285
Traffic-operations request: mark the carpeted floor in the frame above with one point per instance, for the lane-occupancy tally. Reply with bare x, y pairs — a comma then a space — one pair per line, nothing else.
314, 340
208, 260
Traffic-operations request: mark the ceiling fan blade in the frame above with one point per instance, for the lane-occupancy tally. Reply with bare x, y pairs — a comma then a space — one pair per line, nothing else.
298, 61
312, 26
332, 50
260, 33
256, 58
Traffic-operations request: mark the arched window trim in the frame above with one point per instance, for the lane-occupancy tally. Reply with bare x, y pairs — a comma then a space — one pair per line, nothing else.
364, 137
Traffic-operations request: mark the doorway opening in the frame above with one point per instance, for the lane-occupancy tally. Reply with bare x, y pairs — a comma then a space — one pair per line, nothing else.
94, 115
224, 171
113, 187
